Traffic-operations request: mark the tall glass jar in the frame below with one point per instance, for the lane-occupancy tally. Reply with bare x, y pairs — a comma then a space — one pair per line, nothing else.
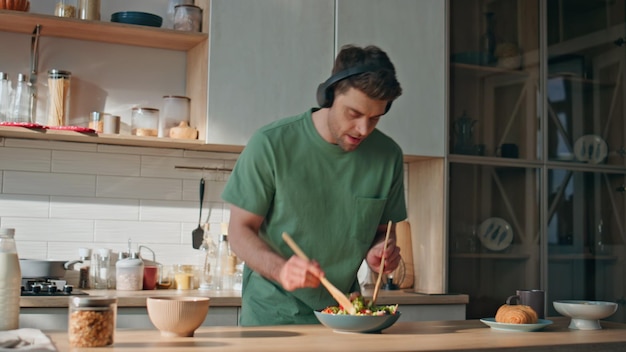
91, 321
89, 10
10, 281
58, 97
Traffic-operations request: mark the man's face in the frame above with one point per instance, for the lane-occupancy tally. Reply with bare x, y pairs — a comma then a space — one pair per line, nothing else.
352, 117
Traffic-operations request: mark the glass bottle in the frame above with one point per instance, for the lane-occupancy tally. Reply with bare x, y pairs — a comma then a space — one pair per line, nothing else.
10, 281
222, 275
100, 278
206, 260
488, 41
20, 104
5, 96
83, 268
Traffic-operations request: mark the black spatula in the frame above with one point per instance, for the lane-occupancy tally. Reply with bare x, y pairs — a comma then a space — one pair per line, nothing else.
198, 234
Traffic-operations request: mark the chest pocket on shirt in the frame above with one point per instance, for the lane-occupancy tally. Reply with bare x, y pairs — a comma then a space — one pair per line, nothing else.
367, 213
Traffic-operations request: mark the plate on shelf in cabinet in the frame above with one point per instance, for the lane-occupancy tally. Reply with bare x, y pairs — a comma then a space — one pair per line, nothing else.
495, 234
591, 149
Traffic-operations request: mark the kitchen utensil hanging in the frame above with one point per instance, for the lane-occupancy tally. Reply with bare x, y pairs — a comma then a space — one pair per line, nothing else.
198, 234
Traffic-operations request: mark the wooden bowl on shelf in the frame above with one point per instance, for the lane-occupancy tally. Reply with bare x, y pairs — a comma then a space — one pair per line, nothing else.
16, 5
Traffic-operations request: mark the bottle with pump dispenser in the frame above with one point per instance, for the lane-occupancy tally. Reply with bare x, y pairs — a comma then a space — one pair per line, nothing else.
10, 281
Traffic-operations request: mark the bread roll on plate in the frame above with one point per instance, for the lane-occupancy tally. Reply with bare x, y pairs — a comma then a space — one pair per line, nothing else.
516, 314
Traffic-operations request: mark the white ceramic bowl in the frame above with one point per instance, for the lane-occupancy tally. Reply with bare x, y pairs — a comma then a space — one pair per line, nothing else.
585, 315
177, 315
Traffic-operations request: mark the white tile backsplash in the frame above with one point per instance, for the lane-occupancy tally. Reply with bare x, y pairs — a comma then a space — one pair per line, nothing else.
144, 232
18, 205
139, 187
94, 208
50, 230
16, 182
60, 196
24, 159
95, 163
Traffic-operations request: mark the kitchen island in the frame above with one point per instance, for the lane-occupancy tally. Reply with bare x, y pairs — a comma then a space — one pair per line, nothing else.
463, 335
50, 313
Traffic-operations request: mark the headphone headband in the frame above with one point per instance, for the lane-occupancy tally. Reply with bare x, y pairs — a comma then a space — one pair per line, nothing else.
325, 91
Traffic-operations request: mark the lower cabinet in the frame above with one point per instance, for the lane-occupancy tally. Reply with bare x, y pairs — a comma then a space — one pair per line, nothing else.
127, 318
137, 317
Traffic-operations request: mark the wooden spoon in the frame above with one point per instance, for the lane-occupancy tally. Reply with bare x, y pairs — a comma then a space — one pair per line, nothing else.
382, 266
334, 291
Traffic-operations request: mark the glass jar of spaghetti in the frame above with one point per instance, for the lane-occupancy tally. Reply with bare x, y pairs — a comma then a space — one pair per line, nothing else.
58, 97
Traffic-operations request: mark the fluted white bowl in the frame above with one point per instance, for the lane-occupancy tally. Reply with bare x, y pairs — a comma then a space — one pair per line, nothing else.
177, 315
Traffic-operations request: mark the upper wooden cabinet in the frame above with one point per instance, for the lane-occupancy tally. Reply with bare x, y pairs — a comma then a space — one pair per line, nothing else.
266, 59
413, 34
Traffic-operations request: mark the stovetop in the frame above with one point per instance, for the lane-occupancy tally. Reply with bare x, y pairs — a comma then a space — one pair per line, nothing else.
48, 287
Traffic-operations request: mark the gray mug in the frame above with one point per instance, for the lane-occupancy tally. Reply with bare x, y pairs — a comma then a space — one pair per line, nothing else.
533, 298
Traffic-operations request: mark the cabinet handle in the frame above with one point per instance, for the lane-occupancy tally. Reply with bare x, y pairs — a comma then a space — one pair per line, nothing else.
619, 41
621, 189
621, 152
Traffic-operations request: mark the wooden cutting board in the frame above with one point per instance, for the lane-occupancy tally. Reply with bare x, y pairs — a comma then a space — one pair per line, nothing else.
403, 240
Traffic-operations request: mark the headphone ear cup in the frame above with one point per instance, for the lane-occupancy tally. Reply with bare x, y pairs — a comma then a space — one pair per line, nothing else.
324, 95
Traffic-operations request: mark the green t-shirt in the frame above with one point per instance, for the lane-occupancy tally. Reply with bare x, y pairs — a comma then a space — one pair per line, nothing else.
330, 201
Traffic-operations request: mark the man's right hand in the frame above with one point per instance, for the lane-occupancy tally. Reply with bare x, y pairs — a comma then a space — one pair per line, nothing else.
300, 273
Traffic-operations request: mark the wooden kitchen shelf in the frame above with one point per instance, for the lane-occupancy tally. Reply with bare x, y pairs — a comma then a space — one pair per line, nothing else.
116, 139
100, 31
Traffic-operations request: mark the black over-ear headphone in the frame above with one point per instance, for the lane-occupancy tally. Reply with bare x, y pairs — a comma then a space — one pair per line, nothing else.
326, 91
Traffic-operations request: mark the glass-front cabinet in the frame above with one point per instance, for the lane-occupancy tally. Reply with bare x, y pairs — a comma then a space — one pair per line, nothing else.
536, 152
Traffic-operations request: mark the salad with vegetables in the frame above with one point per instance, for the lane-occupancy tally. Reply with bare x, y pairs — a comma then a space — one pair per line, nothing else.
362, 307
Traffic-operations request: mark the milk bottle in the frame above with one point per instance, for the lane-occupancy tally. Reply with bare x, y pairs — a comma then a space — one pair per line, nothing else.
10, 281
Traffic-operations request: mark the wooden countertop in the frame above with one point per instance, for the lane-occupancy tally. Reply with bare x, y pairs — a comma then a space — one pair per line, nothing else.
462, 335
233, 298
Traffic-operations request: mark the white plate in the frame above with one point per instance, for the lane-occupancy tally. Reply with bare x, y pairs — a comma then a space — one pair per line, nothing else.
495, 234
591, 149
491, 322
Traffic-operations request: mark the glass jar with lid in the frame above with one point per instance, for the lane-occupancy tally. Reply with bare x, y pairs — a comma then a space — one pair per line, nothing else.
65, 8
129, 273
91, 321
58, 97
145, 122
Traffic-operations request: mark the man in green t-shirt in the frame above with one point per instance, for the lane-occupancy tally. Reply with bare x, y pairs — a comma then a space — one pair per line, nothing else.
328, 178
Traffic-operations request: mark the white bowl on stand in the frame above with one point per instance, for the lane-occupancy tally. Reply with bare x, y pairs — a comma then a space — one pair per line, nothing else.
585, 315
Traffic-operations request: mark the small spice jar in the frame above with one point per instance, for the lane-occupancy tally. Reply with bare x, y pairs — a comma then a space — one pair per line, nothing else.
145, 122
65, 8
58, 97
187, 18
89, 10
92, 321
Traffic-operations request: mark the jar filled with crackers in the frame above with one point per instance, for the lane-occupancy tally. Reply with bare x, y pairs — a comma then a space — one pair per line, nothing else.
92, 321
